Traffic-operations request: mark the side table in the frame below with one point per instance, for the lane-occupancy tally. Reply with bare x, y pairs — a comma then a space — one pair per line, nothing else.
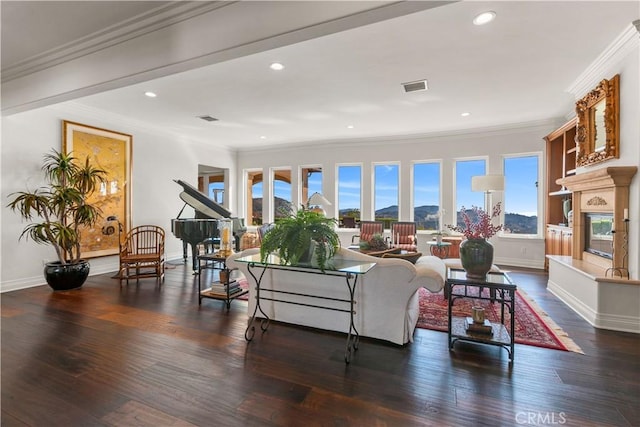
501, 290
224, 290
441, 250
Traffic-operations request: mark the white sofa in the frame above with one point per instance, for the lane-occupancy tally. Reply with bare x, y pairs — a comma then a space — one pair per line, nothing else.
386, 297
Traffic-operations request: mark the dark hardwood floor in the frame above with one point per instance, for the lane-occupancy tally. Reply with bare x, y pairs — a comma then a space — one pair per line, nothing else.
148, 355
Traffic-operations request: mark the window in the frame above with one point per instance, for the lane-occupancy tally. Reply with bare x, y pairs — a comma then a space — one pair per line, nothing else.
254, 197
426, 196
465, 169
385, 187
349, 194
216, 192
310, 182
281, 180
521, 195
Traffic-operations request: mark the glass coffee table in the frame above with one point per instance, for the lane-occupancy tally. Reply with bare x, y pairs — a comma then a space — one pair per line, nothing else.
501, 291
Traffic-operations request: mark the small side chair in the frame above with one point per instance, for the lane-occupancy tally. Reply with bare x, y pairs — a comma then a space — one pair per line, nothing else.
142, 253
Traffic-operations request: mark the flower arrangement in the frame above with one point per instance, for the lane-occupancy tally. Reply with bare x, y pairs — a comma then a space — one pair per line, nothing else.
481, 228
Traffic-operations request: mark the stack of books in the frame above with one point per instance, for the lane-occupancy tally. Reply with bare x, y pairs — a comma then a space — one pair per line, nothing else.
220, 289
481, 328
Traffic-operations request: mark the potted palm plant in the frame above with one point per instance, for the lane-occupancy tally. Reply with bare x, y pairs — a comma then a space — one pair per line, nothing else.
304, 237
58, 211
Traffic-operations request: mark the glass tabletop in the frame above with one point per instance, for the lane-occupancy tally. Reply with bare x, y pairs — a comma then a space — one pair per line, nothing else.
493, 277
339, 265
435, 243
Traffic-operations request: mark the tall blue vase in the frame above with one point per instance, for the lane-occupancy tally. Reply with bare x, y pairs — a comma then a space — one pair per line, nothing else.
476, 256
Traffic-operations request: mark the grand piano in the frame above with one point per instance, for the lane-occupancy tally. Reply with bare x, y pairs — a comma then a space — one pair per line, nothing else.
205, 224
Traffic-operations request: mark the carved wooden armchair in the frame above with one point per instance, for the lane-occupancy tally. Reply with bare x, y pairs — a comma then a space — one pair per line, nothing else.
403, 236
143, 252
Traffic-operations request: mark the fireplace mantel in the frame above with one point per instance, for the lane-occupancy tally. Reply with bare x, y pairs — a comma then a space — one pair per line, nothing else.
585, 282
604, 190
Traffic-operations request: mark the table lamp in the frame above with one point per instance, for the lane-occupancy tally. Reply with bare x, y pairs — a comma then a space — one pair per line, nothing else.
318, 201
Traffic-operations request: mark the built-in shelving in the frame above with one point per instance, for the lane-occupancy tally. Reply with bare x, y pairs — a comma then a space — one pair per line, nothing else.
561, 153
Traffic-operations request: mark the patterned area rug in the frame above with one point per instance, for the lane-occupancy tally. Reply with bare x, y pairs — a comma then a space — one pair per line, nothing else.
533, 326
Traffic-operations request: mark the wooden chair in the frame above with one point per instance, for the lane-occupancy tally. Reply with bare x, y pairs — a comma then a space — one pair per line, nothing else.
368, 229
143, 251
403, 236
348, 222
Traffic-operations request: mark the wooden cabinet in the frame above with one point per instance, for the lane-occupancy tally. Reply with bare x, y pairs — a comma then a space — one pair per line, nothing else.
558, 241
566, 237
454, 249
560, 163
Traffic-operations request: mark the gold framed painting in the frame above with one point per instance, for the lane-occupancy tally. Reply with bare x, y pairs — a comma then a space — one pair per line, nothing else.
110, 151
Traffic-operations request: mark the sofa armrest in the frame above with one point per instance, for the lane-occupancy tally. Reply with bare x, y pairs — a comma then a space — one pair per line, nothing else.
433, 270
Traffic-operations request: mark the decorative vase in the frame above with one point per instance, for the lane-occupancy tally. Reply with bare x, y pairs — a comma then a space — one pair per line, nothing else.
566, 208
476, 256
65, 277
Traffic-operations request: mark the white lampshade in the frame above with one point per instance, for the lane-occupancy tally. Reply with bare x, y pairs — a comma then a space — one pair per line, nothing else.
318, 199
487, 183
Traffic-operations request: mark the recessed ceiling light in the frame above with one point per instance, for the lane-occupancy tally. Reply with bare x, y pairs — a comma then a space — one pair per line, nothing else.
150, 94
276, 66
484, 18
465, 114
350, 127
263, 137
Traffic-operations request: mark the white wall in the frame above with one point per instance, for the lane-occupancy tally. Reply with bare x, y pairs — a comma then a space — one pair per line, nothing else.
157, 160
622, 57
492, 144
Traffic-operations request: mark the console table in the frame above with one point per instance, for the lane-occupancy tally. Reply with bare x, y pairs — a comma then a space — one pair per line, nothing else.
349, 269
501, 290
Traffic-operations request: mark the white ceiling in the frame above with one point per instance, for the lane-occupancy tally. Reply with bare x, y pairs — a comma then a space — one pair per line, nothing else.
514, 70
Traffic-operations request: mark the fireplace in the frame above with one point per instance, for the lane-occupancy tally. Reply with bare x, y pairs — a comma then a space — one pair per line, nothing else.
599, 199
598, 234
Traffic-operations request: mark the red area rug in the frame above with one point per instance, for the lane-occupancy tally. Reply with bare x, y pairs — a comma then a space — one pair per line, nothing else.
533, 326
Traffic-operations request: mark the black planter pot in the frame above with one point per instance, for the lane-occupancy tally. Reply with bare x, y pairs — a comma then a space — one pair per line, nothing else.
68, 276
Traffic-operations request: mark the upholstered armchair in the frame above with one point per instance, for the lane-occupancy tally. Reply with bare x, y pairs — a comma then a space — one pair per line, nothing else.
403, 236
367, 230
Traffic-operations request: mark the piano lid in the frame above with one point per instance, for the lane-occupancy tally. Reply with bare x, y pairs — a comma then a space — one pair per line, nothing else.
201, 203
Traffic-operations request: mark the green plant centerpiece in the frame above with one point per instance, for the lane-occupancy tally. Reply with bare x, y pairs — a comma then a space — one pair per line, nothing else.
377, 242
58, 211
303, 237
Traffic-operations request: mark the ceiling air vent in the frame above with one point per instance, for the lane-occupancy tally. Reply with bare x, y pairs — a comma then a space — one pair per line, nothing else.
208, 118
415, 86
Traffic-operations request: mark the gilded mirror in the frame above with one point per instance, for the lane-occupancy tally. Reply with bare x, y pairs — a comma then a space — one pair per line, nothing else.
598, 123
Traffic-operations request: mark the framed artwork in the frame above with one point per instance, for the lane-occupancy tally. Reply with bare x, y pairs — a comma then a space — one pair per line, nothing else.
110, 151
598, 128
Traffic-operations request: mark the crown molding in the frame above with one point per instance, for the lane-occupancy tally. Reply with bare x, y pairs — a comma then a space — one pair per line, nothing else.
626, 42
160, 17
